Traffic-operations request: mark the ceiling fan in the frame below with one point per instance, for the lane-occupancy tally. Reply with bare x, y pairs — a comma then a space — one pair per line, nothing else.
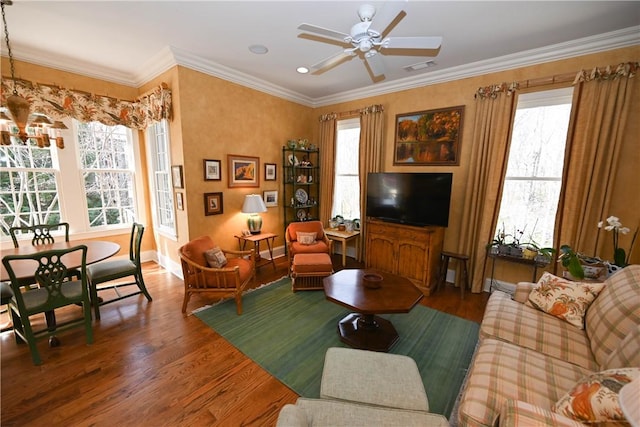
369, 41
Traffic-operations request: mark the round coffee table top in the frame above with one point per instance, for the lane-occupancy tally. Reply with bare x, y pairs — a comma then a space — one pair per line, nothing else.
395, 295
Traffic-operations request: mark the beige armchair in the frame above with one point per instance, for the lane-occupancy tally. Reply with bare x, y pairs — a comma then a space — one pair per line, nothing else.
228, 280
320, 244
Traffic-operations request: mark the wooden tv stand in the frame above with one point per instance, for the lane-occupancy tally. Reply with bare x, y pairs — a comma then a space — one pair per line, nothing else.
407, 251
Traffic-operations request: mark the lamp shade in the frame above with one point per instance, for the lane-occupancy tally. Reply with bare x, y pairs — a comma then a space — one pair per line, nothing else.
253, 204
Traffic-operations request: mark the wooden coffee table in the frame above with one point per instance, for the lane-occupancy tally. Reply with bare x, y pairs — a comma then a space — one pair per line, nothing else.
363, 329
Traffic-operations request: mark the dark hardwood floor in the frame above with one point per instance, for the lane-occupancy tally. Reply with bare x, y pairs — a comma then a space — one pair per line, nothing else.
151, 365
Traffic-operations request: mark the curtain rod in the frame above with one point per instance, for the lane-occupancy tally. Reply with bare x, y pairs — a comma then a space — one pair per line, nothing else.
162, 85
549, 80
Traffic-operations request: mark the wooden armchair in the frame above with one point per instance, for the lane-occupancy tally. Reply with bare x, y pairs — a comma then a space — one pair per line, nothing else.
321, 243
229, 280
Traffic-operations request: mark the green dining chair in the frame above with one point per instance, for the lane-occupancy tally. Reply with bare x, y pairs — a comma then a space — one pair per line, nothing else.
54, 291
110, 271
43, 234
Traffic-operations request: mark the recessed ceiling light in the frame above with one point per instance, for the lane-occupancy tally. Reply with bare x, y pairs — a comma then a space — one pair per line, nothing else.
302, 70
258, 49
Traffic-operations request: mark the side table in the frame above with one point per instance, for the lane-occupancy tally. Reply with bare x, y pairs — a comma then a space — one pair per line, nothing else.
344, 237
256, 239
534, 263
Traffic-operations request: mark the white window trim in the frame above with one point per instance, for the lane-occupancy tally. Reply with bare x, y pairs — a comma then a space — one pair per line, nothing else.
171, 234
74, 209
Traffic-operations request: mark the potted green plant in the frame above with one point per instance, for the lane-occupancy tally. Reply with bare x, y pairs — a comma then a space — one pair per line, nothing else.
499, 242
533, 251
581, 266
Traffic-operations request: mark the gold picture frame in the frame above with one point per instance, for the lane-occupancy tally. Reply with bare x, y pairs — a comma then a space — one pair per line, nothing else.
243, 171
429, 137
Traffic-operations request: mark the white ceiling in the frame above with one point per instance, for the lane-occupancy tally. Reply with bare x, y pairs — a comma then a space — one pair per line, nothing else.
130, 42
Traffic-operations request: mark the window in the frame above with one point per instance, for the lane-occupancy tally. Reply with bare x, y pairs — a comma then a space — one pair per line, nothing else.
28, 186
160, 168
106, 160
534, 169
346, 193
91, 183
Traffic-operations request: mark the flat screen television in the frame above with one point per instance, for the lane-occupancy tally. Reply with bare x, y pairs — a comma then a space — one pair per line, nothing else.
410, 198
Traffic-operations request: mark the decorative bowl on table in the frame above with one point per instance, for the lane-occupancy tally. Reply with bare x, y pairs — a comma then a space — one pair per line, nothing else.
372, 280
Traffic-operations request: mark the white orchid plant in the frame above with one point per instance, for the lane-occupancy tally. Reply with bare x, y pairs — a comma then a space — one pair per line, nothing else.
620, 257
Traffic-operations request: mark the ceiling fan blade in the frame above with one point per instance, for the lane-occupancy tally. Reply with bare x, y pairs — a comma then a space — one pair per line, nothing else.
412, 42
376, 65
329, 62
387, 15
310, 28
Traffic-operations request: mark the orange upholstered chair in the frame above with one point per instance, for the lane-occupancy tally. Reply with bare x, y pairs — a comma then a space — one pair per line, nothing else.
295, 237
207, 268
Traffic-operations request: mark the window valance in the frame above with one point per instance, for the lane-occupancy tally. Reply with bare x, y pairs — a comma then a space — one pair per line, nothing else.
59, 103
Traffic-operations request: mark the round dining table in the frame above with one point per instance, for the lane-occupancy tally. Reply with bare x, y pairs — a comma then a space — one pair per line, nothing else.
97, 250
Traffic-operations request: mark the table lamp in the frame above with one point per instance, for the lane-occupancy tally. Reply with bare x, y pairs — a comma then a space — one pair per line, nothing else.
253, 205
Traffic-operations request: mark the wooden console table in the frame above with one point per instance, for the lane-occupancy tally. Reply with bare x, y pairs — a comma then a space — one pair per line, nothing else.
407, 251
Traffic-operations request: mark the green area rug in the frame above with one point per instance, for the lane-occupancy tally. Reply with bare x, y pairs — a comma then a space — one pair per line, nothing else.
288, 334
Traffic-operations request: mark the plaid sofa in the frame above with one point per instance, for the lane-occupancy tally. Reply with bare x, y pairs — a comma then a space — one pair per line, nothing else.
527, 360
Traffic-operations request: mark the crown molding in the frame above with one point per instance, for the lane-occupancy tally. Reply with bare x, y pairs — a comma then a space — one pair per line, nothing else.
47, 59
194, 62
171, 56
594, 44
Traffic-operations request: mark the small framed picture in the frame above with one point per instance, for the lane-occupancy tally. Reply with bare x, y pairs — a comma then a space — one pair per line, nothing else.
179, 201
270, 198
176, 176
270, 171
212, 170
243, 171
212, 203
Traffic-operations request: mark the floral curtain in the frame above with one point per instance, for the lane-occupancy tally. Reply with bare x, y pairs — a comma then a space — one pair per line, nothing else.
488, 163
602, 100
371, 146
327, 145
59, 103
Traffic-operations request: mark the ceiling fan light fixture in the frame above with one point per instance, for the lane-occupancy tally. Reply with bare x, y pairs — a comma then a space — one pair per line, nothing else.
366, 12
258, 49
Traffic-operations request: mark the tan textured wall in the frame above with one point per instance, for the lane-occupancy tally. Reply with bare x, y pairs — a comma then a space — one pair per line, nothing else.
221, 118
460, 92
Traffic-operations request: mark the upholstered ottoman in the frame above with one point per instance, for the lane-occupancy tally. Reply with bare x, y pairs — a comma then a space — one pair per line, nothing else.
372, 378
307, 271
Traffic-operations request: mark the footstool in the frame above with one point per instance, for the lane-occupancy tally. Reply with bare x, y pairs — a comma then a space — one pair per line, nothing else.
307, 271
378, 379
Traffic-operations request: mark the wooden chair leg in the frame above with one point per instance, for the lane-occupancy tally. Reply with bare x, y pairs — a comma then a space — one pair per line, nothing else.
465, 274
444, 266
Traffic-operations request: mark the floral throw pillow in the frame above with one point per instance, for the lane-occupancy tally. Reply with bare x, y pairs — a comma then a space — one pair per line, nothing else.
306, 238
563, 298
594, 398
215, 258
